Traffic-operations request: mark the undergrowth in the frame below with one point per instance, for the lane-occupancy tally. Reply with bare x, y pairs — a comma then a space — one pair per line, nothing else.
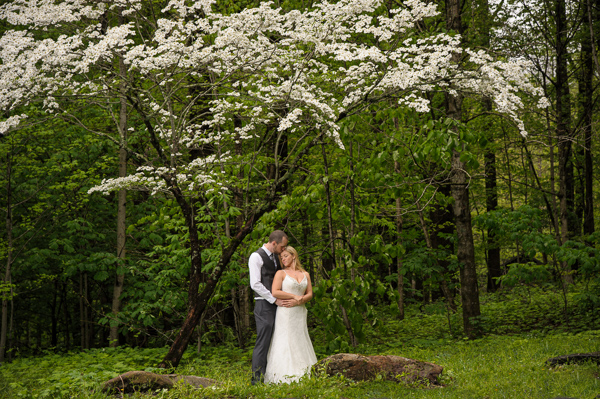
521, 331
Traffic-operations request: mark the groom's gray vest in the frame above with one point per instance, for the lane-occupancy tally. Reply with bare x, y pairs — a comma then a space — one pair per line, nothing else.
268, 269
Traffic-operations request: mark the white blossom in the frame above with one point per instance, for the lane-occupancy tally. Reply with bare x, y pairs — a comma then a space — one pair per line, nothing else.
11, 122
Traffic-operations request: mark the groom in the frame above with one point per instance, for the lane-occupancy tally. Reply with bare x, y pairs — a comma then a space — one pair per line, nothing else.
263, 265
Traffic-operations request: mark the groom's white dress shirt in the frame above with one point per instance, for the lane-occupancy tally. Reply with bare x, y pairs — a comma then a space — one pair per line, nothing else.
255, 263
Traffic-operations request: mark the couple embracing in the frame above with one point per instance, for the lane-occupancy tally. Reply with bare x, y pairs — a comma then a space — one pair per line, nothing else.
283, 351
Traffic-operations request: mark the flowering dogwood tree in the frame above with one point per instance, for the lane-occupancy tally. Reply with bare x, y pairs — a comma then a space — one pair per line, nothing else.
216, 96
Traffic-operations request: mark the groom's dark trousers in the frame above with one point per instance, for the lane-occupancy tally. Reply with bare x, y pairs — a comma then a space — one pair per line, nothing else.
264, 315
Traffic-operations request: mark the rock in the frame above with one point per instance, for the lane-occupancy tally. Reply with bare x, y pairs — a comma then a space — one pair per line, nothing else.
143, 381
392, 368
574, 358
137, 381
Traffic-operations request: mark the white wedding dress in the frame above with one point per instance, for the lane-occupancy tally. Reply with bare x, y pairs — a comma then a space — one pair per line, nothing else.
291, 353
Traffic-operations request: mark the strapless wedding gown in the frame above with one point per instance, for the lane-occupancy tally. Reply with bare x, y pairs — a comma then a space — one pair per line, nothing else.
291, 353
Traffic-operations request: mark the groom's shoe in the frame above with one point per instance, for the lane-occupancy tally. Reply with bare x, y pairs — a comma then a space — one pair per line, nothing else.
257, 378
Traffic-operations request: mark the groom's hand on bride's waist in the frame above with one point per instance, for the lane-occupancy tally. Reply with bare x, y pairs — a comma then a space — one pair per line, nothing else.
286, 303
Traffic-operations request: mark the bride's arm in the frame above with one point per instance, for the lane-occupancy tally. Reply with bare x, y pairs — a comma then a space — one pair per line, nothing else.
309, 292
276, 287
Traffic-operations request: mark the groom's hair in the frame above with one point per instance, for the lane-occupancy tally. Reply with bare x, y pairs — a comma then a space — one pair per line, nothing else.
277, 236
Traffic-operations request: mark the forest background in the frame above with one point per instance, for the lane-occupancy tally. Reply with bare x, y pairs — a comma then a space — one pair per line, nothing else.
389, 202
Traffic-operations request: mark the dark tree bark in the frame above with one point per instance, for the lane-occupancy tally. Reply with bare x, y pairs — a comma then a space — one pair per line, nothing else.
587, 92
347, 324
400, 278
54, 311
493, 250
352, 211
66, 315
460, 194
6, 279
482, 37
491, 201
563, 132
83, 312
306, 232
121, 204
240, 294
442, 219
329, 211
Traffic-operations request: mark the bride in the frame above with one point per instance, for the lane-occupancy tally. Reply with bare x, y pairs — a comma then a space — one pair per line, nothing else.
291, 354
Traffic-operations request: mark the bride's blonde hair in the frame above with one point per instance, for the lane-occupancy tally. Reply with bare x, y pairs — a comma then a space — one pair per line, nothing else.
295, 257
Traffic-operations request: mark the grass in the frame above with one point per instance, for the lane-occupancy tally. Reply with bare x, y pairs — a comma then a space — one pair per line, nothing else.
511, 365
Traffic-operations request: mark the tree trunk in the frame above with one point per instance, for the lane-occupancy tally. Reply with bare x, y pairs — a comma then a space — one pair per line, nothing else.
82, 315
237, 318
55, 315
6, 280
438, 216
491, 196
400, 244
549, 207
197, 301
88, 311
347, 323
352, 213
305, 234
563, 124
443, 227
485, 24
66, 316
493, 250
460, 194
399, 270
587, 104
11, 326
244, 294
329, 213
508, 171
465, 247
241, 312
121, 204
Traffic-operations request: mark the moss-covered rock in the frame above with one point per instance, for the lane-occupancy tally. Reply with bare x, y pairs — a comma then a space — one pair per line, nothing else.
393, 368
144, 381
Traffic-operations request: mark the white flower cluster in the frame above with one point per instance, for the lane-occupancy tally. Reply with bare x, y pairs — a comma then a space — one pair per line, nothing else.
43, 13
195, 175
11, 122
